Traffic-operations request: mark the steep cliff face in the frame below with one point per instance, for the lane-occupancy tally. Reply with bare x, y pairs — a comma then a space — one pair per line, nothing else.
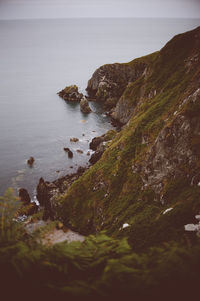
153, 163
109, 81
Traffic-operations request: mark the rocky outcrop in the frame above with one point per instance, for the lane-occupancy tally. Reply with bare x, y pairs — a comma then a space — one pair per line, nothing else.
109, 81
47, 192
99, 145
84, 106
71, 93
27, 208
24, 196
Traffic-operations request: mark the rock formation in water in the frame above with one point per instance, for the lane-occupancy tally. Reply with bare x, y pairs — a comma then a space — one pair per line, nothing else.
84, 106
71, 93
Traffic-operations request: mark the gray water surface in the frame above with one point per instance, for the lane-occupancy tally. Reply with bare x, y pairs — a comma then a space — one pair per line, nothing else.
40, 57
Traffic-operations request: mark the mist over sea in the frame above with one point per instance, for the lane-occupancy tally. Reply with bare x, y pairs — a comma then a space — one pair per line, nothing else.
40, 57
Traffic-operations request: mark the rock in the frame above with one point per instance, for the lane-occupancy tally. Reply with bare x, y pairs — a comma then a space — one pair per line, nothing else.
47, 192
110, 81
67, 150
27, 208
84, 106
30, 161
24, 196
88, 153
70, 154
74, 139
97, 155
71, 93
96, 142
79, 151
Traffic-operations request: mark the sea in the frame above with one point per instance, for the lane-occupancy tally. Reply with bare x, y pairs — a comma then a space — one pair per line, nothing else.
38, 58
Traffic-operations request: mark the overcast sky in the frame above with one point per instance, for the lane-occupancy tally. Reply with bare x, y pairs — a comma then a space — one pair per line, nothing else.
20, 9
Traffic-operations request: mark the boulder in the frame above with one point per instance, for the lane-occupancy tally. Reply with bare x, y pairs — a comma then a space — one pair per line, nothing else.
30, 161
84, 106
67, 150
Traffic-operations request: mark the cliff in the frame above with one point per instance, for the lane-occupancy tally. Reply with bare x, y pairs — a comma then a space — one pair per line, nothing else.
153, 163
140, 203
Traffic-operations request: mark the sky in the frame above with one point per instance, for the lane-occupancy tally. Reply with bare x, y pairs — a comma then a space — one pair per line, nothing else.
25, 9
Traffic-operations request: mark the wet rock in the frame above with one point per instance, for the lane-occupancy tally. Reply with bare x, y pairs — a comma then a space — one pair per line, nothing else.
71, 93
84, 106
79, 151
30, 161
70, 153
74, 139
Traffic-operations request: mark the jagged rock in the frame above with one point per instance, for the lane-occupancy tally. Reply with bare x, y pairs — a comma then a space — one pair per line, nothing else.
30, 161
84, 106
71, 93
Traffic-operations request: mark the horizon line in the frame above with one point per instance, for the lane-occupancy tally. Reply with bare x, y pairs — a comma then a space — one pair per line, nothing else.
66, 18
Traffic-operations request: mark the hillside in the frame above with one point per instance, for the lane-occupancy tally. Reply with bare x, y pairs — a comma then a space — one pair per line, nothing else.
143, 193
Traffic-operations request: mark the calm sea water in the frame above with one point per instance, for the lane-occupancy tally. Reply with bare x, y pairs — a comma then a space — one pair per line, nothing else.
40, 57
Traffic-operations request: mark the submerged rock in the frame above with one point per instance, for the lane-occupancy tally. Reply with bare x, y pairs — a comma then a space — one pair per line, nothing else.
84, 106
30, 161
74, 139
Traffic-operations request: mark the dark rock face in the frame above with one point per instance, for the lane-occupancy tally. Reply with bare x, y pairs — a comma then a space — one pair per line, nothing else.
96, 142
47, 192
24, 196
110, 81
84, 106
97, 155
71, 93
27, 208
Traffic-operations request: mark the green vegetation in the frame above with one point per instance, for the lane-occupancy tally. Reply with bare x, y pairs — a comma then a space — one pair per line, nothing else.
99, 267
